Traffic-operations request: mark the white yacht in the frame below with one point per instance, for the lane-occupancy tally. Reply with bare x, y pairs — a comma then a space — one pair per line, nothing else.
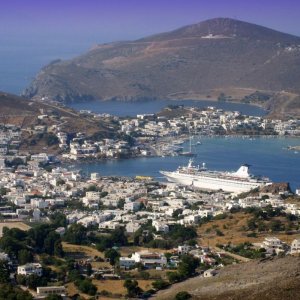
200, 177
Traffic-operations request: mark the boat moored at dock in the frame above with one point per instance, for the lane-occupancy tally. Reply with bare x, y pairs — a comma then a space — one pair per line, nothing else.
200, 177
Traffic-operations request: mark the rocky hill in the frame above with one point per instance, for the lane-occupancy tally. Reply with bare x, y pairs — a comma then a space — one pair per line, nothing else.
199, 61
275, 279
25, 114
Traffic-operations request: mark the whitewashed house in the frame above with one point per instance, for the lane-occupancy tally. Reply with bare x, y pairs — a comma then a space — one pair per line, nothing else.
30, 268
295, 246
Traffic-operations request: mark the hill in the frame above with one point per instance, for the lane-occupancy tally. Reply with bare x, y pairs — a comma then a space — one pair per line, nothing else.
199, 61
25, 114
275, 279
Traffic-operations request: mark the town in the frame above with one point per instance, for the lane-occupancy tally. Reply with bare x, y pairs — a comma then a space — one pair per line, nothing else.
159, 134
66, 233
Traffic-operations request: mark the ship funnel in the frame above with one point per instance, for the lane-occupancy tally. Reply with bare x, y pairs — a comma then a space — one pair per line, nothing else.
243, 171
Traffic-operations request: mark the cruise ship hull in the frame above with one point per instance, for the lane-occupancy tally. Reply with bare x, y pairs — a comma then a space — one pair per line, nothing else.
212, 183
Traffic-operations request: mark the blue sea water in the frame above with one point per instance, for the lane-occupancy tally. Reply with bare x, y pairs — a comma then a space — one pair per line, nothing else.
122, 109
267, 157
22, 58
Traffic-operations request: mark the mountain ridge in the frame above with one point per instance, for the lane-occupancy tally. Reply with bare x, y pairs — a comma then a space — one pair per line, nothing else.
193, 62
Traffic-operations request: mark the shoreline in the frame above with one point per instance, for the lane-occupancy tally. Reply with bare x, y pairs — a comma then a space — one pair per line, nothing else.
185, 138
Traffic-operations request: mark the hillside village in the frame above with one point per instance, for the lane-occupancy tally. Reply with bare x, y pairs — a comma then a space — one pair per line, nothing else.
146, 135
79, 236
156, 222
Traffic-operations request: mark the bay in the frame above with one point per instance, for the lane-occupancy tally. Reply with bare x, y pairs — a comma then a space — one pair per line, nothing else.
267, 156
122, 109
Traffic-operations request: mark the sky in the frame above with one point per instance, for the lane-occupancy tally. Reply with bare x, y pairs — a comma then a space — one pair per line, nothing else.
108, 20
34, 32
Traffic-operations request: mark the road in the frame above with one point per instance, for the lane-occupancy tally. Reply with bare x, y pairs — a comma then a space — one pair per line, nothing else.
235, 256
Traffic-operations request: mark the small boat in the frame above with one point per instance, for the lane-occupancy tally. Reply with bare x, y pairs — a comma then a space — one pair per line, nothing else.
188, 154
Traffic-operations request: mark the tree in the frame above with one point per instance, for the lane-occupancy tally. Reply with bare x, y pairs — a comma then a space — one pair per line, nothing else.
183, 296
50, 241
58, 249
58, 219
16, 162
251, 224
160, 284
24, 256
4, 272
132, 287
33, 281
76, 234
54, 297
104, 243
92, 188
15, 233
10, 292
145, 275
86, 286
173, 277
51, 139
3, 192
118, 237
37, 235
113, 256
276, 225
179, 233
89, 269
10, 245
121, 204
261, 226
187, 266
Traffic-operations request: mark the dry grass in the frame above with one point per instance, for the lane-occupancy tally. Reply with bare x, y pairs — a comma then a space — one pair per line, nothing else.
86, 251
9, 225
72, 290
112, 286
116, 286
259, 280
234, 233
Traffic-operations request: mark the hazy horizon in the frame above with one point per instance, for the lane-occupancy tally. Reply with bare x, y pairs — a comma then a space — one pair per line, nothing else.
35, 32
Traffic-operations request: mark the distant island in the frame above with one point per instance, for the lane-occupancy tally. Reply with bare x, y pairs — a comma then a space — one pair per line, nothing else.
218, 59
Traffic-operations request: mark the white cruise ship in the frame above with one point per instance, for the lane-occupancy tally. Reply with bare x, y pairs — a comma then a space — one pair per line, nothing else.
200, 177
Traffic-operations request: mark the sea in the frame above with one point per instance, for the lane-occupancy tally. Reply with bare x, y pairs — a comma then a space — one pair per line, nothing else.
266, 156
123, 109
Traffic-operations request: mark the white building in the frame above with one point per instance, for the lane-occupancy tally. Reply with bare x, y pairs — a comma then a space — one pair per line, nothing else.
95, 176
126, 262
132, 227
160, 226
272, 243
295, 246
150, 259
36, 215
38, 203
132, 206
209, 273
2, 163
51, 290
183, 249
29, 269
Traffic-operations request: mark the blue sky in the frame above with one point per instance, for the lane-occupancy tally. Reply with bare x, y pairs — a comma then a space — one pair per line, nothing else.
108, 20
